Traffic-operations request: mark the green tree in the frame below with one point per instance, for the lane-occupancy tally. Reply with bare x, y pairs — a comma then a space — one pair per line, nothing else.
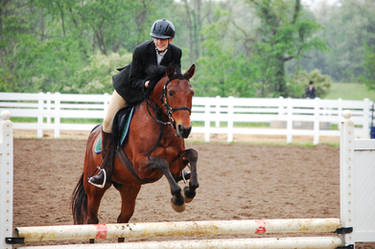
44, 43
222, 72
96, 77
347, 26
297, 83
368, 77
284, 33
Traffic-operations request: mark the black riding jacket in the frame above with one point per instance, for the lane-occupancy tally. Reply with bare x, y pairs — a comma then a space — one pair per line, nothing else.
130, 81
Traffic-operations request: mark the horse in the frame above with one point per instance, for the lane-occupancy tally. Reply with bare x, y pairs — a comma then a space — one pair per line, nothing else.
154, 147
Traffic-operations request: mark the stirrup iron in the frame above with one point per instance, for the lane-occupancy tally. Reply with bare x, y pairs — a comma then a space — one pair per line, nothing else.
104, 181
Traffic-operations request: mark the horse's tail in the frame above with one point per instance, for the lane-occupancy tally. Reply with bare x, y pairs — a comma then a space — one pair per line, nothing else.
79, 203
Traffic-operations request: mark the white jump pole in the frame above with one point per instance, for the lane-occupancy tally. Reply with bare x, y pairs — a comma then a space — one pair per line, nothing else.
257, 243
183, 228
6, 179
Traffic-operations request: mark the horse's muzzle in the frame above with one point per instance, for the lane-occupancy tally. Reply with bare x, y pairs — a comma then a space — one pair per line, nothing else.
182, 131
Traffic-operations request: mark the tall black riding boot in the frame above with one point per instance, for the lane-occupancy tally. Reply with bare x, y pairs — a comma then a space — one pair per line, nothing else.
105, 172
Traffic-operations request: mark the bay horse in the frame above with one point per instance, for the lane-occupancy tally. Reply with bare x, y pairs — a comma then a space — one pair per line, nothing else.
155, 147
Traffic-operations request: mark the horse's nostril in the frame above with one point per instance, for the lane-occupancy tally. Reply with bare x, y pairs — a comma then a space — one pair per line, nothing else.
184, 132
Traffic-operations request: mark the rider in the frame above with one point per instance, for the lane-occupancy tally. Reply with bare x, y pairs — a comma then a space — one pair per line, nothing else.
130, 85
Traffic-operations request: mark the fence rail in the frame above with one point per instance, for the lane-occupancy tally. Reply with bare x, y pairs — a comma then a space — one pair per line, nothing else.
210, 115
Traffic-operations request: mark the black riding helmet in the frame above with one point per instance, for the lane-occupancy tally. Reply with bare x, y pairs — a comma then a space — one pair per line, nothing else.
162, 29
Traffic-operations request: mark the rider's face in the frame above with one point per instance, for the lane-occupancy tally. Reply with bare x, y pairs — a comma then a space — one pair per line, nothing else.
162, 44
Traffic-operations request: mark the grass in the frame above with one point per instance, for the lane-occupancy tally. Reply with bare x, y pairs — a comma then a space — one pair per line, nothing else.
350, 91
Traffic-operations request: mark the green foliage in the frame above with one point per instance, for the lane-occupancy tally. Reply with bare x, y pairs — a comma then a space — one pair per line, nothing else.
284, 33
298, 82
96, 77
368, 77
220, 71
245, 49
44, 43
347, 25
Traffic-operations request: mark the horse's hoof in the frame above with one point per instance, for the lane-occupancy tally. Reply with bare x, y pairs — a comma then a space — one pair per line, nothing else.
178, 208
178, 204
188, 195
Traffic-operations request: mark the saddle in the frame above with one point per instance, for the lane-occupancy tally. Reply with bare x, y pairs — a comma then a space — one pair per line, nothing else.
120, 128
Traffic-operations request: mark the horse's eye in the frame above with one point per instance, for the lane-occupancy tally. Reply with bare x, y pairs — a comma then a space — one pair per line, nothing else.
171, 93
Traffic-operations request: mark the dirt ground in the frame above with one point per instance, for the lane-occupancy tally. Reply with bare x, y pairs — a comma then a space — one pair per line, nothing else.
237, 181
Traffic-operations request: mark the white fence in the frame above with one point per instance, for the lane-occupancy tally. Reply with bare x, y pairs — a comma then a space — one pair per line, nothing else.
230, 116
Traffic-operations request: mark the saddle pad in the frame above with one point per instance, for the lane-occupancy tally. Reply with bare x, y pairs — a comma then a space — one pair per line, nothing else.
98, 144
120, 130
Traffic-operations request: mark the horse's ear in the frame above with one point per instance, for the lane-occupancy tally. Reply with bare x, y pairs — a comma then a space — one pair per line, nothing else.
189, 73
170, 71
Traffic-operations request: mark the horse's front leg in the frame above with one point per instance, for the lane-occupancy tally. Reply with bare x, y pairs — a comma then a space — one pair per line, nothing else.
177, 200
189, 191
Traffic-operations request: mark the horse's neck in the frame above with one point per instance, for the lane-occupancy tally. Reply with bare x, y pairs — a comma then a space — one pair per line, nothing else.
159, 135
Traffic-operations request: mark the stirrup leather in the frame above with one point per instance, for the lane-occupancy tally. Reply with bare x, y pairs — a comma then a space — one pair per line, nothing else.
104, 181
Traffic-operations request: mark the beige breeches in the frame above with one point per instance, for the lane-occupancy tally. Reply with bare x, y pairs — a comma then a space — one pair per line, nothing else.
116, 103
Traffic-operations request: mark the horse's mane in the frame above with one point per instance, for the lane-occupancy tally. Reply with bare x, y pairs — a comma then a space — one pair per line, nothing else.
155, 73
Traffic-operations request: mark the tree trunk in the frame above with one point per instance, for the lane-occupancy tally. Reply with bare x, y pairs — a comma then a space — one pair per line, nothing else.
3, 3
189, 24
279, 81
197, 28
62, 17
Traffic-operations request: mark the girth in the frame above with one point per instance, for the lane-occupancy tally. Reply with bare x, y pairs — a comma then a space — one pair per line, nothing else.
129, 166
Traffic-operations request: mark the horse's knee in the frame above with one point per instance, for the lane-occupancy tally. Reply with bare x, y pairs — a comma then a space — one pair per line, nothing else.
160, 163
191, 155
163, 165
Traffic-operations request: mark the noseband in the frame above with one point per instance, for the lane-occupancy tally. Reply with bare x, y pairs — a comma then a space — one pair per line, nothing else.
164, 101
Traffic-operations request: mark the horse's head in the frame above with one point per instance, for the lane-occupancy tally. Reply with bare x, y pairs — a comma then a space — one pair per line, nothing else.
176, 94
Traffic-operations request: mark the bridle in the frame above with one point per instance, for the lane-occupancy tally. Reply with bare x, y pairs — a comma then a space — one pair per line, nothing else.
164, 101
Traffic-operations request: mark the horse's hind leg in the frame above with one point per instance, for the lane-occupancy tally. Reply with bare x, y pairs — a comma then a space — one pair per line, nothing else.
189, 192
128, 196
94, 196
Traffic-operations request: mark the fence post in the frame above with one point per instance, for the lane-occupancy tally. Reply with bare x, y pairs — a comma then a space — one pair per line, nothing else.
6, 179
316, 128
281, 111
346, 172
289, 121
230, 119
48, 108
366, 119
217, 111
57, 115
40, 115
339, 112
207, 122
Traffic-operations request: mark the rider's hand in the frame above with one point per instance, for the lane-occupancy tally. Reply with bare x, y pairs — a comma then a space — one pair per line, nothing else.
147, 83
